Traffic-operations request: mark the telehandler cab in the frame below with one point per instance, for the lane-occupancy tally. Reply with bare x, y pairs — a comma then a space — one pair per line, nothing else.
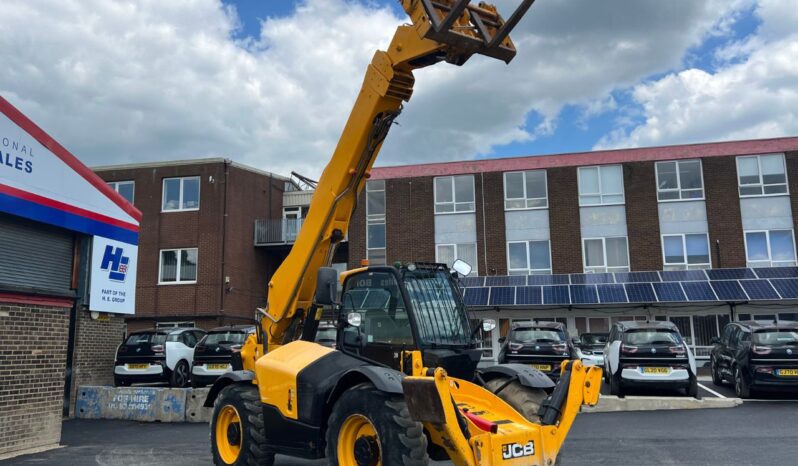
402, 385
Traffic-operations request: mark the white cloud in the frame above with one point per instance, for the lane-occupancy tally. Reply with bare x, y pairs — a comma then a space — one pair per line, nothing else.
754, 95
145, 80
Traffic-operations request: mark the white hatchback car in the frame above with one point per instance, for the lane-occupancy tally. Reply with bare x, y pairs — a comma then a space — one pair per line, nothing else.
161, 355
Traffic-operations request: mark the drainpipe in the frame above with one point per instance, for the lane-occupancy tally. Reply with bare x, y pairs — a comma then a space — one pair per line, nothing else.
484, 224
224, 240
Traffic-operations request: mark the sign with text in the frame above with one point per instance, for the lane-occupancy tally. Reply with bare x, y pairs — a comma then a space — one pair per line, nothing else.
113, 276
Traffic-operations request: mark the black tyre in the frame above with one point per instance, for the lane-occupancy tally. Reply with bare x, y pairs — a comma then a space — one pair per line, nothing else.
180, 375
523, 399
741, 387
120, 383
368, 427
615, 386
237, 435
692, 390
717, 379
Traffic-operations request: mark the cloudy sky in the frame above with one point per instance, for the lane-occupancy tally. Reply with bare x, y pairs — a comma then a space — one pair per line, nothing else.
269, 83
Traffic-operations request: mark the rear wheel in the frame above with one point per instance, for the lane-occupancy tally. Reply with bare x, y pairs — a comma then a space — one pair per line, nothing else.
179, 377
523, 399
717, 379
368, 427
237, 435
615, 386
692, 390
120, 383
741, 387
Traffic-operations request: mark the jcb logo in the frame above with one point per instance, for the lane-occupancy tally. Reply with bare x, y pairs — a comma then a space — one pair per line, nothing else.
516, 450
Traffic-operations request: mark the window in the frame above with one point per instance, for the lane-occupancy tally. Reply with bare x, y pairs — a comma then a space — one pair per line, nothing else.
686, 252
601, 185
375, 222
448, 253
125, 188
679, 180
774, 248
762, 175
454, 194
605, 255
188, 323
525, 190
178, 266
528, 257
181, 194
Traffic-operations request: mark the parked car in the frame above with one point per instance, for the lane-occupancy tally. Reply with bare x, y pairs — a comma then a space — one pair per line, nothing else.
756, 356
542, 345
327, 334
213, 354
157, 355
590, 348
648, 354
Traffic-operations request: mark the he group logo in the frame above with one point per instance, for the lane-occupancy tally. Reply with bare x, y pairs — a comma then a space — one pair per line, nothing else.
115, 262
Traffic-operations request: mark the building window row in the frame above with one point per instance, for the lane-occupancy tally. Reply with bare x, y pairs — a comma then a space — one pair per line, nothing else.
454, 194
601, 185
375, 222
181, 194
774, 248
528, 257
126, 189
609, 254
178, 266
448, 253
686, 252
525, 190
762, 175
679, 180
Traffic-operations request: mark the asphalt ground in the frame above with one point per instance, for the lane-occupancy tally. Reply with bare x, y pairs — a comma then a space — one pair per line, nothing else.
755, 433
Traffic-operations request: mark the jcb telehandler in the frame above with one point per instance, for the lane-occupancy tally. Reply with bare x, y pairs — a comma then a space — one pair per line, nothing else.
402, 384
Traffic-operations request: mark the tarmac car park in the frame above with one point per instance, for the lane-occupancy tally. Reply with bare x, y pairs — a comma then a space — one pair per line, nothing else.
158, 355
542, 345
213, 354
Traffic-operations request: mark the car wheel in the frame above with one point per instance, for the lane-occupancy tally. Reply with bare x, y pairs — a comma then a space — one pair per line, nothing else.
692, 390
741, 388
717, 379
120, 383
179, 378
615, 386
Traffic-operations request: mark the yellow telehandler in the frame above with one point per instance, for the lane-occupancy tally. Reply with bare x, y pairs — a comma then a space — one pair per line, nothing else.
402, 386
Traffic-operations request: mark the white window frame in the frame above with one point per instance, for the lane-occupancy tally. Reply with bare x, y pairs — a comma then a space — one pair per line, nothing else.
685, 265
605, 268
770, 252
474, 267
116, 184
175, 324
678, 187
761, 183
526, 197
180, 200
376, 219
454, 196
601, 194
177, 272
528, 270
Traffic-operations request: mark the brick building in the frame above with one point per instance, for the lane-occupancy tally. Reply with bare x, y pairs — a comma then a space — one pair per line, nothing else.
606, 213
198, 260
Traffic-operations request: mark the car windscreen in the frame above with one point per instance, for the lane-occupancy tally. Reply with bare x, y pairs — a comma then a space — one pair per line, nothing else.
216, 338
537, 335
593, 338
146, 337
775, 337
648, 336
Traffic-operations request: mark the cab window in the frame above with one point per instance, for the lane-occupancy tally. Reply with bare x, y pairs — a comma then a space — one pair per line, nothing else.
378, 300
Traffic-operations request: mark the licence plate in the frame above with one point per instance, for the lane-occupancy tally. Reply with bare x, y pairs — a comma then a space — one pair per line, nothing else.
788, 372
138, 366
656, 370
542, 367
216, 367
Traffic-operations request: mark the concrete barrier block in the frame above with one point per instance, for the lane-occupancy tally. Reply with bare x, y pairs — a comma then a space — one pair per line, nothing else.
146, 404
195, 412
609, 403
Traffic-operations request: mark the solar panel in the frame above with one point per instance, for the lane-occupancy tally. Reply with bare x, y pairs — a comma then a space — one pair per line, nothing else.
759, 289
669, 292
476, 296
528, 295
584, 294
557, 294
470, 282
548, 280
776, 272
787, 287
636, 277
730, 274
507, 280
728, 290
682, 275
611, 294
588, 278
699, 291
502, 295
640, 293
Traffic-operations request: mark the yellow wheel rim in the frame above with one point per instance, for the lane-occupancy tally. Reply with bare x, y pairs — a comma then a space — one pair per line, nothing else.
358, 443
228, 434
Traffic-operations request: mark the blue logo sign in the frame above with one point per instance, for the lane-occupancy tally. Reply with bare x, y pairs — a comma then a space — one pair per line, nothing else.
115, 263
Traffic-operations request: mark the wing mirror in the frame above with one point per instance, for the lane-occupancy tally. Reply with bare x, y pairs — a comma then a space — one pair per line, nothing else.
462, 267
354, 319
326, 286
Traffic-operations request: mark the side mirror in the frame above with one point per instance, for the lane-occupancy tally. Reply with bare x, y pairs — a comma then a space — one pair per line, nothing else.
462, 267
502, 339
326, 286
354, 319
714, 341
488, 325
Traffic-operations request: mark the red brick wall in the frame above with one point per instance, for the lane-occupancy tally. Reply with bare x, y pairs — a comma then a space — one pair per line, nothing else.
723, 212
642, 218
357, 231
33, 348
566, 236
491, 238
409, 220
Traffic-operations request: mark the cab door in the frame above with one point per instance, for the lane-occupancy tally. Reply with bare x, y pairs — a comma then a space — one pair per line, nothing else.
385, 329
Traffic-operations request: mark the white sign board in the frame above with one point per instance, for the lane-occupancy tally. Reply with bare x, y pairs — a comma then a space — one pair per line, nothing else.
113, 276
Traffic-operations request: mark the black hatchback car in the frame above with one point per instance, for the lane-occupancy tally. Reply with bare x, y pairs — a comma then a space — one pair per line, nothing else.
542, 345
755, 356
213, 354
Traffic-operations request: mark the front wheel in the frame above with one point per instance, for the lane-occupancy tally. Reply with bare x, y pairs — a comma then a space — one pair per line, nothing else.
741, 387
523, 399
615, 385
692, 389
179, 377
370, 427
716, 377
237, 433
